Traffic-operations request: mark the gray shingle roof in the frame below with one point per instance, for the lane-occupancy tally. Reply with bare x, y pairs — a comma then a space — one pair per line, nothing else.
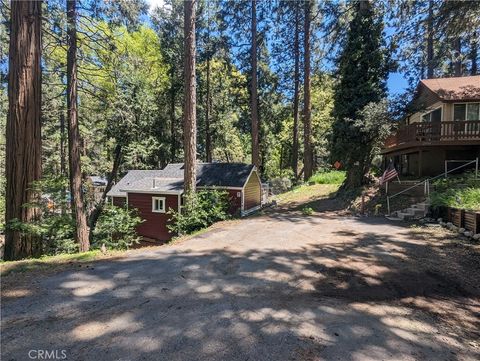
223, 174
171, 178
130, 178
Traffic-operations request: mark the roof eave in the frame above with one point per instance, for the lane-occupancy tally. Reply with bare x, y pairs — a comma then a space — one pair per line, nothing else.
152, 191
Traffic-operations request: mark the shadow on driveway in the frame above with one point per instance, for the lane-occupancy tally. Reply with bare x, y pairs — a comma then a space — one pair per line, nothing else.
362, 289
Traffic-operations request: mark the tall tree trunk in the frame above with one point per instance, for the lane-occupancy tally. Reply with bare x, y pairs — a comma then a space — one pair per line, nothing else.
190, 121
173, 140
253, 89
307, 136
78, 208
296, 50
474, 54
23, 131
63, 165
430, 54
458, 57
208, 135
117, 157
208, 101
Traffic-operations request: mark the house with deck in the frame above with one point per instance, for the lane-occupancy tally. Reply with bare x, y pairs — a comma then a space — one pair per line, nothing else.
154, 192
442, 128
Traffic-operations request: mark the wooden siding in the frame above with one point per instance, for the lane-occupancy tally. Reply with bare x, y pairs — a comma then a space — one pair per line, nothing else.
119, 201
155, 224
417, 116
252, 192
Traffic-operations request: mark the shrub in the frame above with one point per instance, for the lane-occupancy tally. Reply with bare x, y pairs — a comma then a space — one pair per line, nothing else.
116, 228
204, 209
461, 191
331, 177
55, 227
307, 211
280, 185
466, 198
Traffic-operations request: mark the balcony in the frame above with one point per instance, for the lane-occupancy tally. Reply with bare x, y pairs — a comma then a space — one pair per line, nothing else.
437, 133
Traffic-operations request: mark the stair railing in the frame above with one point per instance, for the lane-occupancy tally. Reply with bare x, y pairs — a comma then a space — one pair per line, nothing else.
426, 182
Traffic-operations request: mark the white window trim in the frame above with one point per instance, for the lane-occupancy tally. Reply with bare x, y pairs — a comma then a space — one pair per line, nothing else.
466, 106
153, 205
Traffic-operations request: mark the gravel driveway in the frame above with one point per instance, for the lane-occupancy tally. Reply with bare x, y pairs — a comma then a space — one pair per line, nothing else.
281, 286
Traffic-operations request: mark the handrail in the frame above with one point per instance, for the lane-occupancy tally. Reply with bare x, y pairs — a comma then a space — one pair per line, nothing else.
426, 132
426, 182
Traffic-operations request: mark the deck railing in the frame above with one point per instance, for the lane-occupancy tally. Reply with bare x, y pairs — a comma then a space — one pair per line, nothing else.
418, 133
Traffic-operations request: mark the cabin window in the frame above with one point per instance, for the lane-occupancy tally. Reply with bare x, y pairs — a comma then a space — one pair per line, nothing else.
466, 111
433, 116
158, 204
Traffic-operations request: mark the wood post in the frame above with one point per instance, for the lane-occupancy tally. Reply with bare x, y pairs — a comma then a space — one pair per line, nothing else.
420, 163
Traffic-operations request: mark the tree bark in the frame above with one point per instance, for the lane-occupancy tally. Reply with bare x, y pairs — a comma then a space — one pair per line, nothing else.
173, 140
111, 177
430, 54
307, 126
190, 121
458, 57
296, 50
474, 55
23, 130
63, 165
77, 202
208, 135
253, 89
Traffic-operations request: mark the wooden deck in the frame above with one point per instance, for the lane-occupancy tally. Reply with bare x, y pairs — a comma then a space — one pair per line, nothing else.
442, 133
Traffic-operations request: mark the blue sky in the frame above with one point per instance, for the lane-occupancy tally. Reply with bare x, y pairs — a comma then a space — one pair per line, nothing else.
396, 83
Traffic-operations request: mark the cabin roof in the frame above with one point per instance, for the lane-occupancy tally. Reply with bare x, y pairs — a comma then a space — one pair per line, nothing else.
466, 88
170, 179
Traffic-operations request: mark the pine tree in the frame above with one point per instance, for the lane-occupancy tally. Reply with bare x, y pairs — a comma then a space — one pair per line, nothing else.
287, 54
190, 123
253, 88
362, 72
307, 121
76, 190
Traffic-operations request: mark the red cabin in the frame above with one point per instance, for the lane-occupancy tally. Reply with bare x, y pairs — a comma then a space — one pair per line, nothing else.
154, 192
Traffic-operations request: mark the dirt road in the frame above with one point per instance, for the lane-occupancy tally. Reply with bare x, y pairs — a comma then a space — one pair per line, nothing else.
282, 286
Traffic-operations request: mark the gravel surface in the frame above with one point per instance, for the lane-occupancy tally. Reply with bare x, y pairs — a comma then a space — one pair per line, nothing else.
281, 286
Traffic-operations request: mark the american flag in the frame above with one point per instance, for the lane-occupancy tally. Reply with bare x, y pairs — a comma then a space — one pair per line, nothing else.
389, 174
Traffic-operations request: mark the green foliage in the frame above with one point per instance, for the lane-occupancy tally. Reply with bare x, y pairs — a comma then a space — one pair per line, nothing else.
363, 70
281, 184
330, 177
55, 227
457, 191
116, 228
203, 209
307, 211
464, 198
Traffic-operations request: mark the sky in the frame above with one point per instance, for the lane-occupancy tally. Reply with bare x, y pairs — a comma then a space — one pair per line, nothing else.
396, 82
155, 3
